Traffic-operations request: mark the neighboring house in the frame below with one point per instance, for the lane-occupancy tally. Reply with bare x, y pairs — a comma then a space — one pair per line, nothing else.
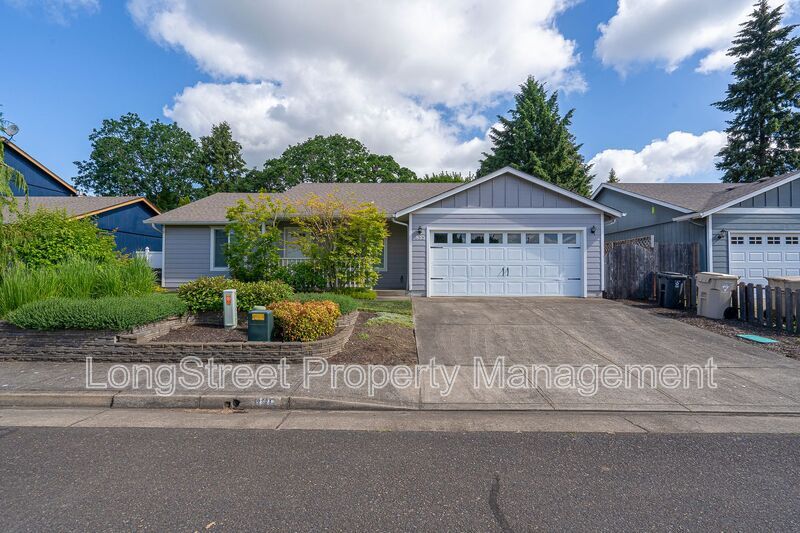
505, 234
748, 229
124, 215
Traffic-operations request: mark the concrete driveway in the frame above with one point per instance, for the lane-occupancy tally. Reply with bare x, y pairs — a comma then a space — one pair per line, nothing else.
569, 331
575, 332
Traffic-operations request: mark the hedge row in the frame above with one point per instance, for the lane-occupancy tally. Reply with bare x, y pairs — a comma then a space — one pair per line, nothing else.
205, 294
116, 313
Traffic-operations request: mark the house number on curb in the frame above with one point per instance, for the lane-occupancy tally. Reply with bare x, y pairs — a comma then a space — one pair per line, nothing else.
265, 402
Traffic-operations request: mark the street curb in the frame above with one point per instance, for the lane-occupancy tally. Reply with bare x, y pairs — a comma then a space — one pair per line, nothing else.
57, 399
250, 401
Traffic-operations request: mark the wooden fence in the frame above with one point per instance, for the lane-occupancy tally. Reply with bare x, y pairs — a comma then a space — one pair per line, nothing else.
632, 265
770, 307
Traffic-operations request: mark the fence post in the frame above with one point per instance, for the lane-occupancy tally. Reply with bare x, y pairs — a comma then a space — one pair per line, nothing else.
778, 308
796, 306
789, 310
770, 306
750, 314
760, 304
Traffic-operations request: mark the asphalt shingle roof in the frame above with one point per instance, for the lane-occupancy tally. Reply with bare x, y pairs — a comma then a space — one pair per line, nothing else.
698, 197
74, 205
388, 197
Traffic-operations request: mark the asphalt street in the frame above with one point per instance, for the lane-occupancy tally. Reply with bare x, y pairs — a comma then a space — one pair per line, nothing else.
93, 479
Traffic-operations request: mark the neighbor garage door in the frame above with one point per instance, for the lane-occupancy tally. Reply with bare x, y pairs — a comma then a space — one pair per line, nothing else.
754, 257
492, 263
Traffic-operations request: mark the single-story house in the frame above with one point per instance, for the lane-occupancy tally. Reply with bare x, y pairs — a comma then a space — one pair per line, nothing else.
504, 234
748, 229
124, 215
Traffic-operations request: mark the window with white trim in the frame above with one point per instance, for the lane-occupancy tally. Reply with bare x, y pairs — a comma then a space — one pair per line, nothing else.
754, 239
737, 240
773, 239
219, 238
290, 249
792, 240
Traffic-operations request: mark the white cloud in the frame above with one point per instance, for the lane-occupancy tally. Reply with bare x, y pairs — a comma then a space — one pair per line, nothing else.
411, 79
680, 157
59, 11
667, 32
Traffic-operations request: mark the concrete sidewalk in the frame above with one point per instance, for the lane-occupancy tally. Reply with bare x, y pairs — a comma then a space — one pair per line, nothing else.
774, 390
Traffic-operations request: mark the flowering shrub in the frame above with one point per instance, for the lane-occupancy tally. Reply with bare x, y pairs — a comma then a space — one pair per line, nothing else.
304, 322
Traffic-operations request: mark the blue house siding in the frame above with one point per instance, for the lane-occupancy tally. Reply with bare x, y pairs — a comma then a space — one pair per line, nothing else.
787, 195
725, 222
506, 191
130, 232
39, 183
643, 218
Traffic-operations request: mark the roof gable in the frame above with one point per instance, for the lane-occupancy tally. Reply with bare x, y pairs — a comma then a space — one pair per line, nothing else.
41, 180
566, 197
79, 206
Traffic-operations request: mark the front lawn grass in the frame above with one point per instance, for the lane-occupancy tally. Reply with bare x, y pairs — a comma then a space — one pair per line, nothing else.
397, 307
391, 318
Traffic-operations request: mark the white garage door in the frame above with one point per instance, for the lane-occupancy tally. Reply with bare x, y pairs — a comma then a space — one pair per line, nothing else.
753, 257
486, 263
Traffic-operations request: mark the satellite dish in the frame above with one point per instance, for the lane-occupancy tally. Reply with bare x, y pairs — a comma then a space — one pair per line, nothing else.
10, 129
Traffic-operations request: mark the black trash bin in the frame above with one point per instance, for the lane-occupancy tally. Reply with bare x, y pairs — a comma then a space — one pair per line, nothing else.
670, 289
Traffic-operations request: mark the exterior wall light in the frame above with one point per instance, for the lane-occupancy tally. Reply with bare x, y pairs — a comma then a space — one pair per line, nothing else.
593, 230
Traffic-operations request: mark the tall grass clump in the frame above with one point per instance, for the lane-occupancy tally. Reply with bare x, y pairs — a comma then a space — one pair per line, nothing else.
20, 285
74, 278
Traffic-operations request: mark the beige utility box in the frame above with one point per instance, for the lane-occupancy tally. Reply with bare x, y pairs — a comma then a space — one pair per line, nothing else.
714, 293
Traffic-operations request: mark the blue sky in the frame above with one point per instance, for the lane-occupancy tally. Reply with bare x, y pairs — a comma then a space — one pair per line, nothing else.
420, 81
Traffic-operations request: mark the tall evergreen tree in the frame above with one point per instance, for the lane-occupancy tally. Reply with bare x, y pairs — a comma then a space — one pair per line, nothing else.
612, 176
535, 138
222, 166
764, 134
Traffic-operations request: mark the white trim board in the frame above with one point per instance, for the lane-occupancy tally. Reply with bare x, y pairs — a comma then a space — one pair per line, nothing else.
584, 244
760, 211
508, 210
640, 197
513, 172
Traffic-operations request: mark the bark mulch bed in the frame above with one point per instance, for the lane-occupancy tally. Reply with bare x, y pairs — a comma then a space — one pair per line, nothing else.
204, 333
378, 344
788, 345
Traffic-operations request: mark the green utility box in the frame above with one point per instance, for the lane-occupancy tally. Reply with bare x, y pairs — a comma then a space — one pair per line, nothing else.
259, 324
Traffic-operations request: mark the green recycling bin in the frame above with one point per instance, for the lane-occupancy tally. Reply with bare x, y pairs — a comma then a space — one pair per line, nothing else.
259, 324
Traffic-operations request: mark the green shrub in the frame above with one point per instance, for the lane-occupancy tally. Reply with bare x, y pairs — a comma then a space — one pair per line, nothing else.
74, 278
205, 294
305, 322
48, 237
265, 293
346, 303
116, 313
359, 293
304, 277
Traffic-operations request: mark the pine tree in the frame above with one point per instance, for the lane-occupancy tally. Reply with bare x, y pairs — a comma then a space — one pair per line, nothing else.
535, 138
222, 166
612, 176
764, 134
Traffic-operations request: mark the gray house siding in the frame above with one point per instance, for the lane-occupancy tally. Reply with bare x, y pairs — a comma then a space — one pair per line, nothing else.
643, 218
489, 221
396, 274
506, 191
787, 195
187, 256
746, 222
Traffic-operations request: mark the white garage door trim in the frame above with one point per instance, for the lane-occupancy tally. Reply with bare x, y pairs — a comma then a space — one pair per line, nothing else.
478, 228
763, 234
